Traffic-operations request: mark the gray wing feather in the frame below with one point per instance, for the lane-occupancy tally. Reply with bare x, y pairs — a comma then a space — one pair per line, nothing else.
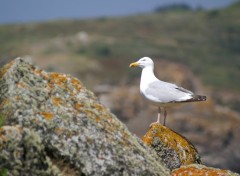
165, 92
183, 90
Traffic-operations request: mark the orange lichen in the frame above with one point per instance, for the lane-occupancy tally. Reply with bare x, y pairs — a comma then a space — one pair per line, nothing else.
198, 171
59, 79
78, 106
89, 113
4, 70
76, 83
56, 101
185, 150
22, 85
5, 101
37, 71
41, 73
97, 119
17, 97
147, 139
98, 107
47, 115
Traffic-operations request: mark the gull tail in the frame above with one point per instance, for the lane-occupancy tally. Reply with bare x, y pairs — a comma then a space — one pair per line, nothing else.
197, 98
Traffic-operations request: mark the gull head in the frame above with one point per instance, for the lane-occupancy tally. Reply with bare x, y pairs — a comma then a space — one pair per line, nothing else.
143, 62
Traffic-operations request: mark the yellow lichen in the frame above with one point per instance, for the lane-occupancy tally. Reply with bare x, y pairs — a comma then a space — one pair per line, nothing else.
97, 119
198, 171
98, 107
76, 83
59, 79
147, 139
56, 101
47, 115
172, 140
4, 102
78, 106
37, 71
41, 73
22, 85
17, 97
4, 70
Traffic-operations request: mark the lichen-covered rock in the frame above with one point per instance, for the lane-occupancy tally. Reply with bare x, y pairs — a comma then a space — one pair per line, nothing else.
71, 123
174, 149
23, 154
201, 170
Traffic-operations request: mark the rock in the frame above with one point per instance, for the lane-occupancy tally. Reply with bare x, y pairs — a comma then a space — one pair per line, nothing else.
174, 149
70, 125
201, 170
22, 153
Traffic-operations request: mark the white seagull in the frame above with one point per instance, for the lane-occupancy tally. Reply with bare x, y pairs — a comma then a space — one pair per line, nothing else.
160, 93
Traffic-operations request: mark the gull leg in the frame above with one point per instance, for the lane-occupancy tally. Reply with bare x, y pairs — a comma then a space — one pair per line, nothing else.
165, 115
159, 115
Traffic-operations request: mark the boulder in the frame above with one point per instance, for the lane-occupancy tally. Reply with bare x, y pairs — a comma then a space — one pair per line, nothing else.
174, 149
178, 153
69, 125
201, 170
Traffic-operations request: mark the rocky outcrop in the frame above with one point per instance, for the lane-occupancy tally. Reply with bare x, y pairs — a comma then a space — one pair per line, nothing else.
59, 119
201, 170
174, 149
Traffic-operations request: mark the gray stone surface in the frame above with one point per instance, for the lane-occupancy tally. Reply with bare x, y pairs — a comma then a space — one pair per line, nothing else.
22, 153
72, 125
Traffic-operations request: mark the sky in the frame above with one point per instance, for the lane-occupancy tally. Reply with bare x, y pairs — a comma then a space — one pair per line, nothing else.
24, 11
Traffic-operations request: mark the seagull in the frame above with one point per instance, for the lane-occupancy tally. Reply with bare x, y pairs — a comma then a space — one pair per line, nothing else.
159, 93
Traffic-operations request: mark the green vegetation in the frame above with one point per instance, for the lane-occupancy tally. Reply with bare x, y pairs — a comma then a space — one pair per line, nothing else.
173, 7
206, 41
3, 172
2, 120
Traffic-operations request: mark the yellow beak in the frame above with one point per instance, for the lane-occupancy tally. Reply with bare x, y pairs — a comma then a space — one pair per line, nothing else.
134, 64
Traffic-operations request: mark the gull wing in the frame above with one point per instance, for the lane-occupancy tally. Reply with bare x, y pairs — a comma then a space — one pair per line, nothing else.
163, 92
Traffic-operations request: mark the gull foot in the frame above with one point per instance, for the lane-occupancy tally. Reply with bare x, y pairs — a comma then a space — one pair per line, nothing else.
157, 122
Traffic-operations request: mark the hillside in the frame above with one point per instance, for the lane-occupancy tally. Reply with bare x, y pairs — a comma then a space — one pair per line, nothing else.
207, 42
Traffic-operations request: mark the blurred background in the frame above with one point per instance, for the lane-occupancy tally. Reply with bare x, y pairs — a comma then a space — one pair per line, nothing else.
194, 43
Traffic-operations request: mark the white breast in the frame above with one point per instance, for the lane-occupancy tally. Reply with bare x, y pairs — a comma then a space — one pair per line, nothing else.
147, 77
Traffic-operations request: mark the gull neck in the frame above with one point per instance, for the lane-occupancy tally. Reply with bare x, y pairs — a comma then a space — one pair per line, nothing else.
148, 74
